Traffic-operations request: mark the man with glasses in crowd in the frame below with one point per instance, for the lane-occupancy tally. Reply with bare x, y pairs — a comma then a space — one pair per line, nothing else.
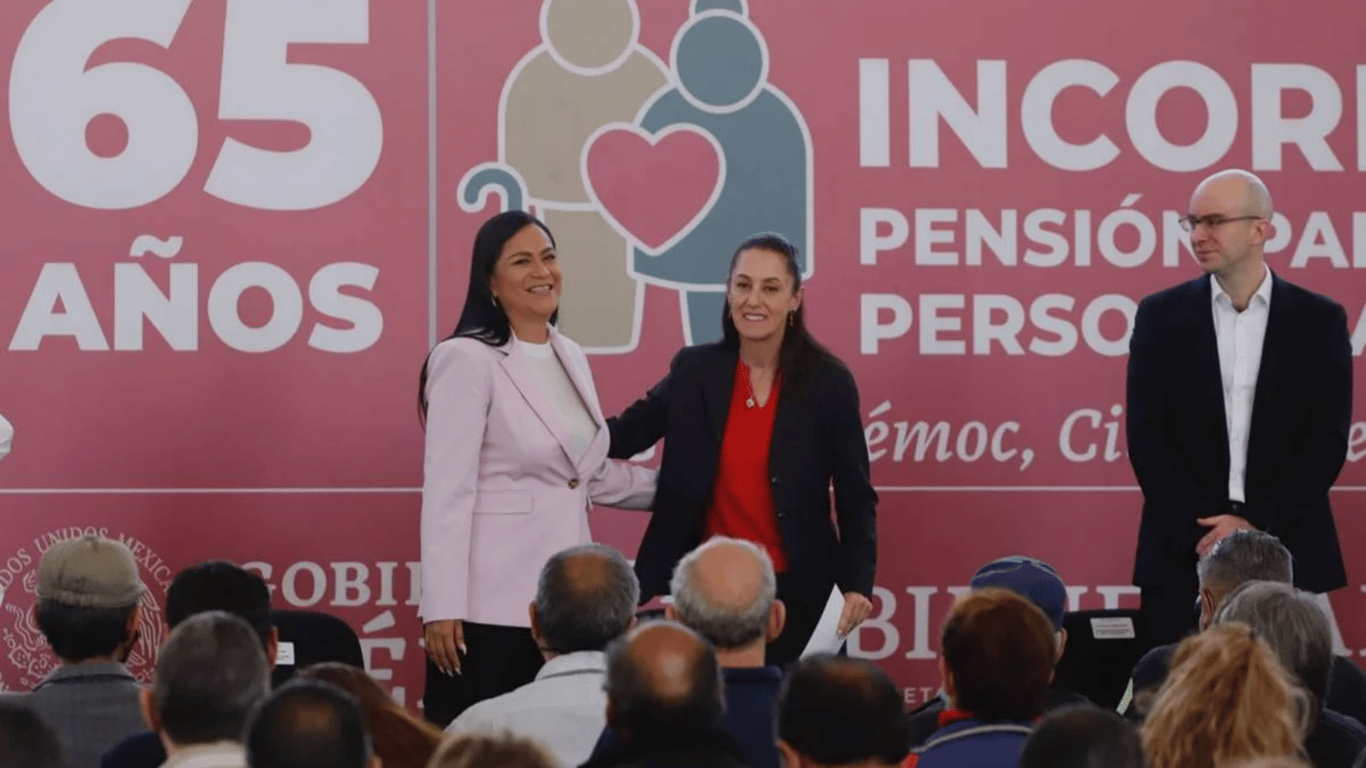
1239, 403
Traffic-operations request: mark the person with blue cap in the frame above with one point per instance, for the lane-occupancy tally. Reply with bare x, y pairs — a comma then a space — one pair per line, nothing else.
1040, 584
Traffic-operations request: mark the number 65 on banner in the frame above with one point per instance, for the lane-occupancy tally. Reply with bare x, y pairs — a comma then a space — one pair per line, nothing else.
53, 97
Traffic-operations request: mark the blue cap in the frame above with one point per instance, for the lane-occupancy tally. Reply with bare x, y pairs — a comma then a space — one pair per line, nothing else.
1032, 579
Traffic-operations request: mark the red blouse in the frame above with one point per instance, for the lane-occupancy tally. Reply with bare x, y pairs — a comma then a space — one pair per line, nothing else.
741, 504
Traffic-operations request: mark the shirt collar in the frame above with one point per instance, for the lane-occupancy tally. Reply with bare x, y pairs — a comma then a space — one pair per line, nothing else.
570, 663
94, 669
752, 674
218, 753
1263, 291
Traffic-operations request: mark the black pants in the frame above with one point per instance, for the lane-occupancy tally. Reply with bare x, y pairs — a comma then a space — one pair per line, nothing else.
804, 609
499, 659
1168, 613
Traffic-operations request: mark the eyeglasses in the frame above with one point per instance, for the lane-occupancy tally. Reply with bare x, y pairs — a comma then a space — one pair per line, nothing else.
1189, 223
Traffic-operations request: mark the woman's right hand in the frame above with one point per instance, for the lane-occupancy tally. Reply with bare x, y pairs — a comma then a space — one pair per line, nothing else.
443, 639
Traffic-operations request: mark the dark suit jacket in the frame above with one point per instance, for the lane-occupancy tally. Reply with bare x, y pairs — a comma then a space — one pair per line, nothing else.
1178, 435
1346, 685
817, 439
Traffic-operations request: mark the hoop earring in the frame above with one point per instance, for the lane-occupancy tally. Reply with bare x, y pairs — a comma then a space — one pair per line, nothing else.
790, 315
494, 300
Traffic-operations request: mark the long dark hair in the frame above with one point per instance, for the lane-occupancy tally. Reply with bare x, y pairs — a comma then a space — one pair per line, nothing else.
483, 318
800, 355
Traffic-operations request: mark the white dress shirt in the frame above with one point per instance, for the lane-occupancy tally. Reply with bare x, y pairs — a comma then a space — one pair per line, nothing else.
564, 708
1240, 336
579, 425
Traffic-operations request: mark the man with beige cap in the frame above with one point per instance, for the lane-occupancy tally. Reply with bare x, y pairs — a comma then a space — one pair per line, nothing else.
87, 609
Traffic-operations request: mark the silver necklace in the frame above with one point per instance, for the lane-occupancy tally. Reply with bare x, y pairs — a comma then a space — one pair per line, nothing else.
749, 385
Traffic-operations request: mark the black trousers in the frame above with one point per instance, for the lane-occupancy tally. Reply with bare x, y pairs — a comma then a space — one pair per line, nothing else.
804, 609
499, 659
1168, 613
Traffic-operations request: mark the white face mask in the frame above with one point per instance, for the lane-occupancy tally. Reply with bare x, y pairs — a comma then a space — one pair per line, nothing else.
6, 436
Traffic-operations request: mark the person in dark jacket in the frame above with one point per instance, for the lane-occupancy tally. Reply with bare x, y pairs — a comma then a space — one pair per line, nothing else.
996, 656
216, 585
1036, 581
664, 697
834, 712
1083, 736
1240, 557
1292, 623
757, 428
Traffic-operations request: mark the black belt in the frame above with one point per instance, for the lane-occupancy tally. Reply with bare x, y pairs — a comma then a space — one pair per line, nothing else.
1236, 507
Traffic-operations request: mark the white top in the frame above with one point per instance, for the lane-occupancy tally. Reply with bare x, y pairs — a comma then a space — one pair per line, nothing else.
564, 708
555, 382
1240, 336
6, 436
220, 754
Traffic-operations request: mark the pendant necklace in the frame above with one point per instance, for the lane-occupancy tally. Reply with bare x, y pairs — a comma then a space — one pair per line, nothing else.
749, 385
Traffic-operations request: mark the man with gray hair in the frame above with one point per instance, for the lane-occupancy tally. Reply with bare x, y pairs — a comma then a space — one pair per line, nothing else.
210, 675
1297, 629
727, 592
1237, 413
1241, 557
585, 599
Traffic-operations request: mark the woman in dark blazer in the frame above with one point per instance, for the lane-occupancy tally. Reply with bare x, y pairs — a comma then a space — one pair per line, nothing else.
756, 428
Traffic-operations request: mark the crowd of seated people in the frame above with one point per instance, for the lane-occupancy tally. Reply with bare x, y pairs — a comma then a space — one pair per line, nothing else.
1257, 687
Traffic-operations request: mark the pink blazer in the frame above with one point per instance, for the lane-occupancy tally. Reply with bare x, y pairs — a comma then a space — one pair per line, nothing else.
500, 492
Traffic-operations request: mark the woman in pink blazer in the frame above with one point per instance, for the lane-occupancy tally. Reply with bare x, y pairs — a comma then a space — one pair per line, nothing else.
516, 455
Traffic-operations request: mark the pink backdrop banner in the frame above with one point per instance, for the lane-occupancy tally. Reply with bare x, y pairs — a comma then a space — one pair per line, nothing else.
234, 228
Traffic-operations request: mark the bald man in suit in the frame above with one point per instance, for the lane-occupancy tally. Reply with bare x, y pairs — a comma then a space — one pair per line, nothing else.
1239, 404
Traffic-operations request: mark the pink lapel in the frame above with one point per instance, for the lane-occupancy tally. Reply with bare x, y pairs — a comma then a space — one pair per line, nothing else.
583, 381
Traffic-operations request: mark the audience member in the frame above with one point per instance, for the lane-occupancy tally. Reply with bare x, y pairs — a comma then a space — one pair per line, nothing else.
210, 675
1083, 736
401, 739
482, 750
1037, 582
216, 585
1299, 633
26, 741
1227, 698
997, 651
726, 591
88, 593
309, 724
586, 598
664, 699
835, 712
1240, 557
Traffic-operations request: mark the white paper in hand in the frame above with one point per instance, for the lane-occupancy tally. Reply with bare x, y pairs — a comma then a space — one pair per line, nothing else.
826, 638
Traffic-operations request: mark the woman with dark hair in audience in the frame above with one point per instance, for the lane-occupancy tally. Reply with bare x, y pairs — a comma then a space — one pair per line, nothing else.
1226, 699
756, 428
400, 738
516, 454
